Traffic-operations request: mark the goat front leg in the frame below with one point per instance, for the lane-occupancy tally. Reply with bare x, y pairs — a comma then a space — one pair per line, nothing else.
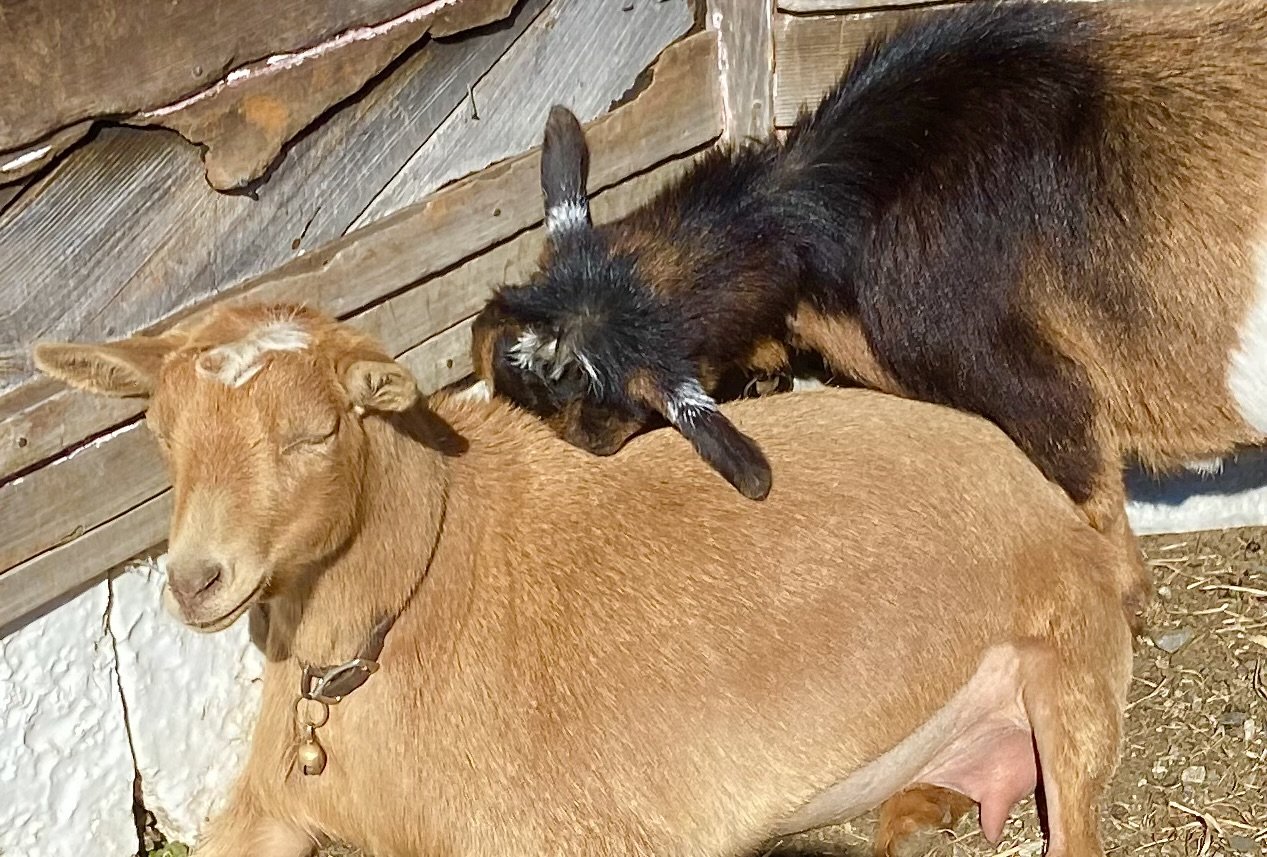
242, 830
909, 818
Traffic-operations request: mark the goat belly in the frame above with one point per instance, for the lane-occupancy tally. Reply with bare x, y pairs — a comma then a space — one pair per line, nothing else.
980, 744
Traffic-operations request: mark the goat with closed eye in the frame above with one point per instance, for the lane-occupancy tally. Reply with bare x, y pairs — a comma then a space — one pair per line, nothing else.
1049, 214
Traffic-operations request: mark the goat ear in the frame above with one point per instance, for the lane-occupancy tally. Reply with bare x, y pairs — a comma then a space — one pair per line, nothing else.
128, 368
565, 164
716, 439
380, 385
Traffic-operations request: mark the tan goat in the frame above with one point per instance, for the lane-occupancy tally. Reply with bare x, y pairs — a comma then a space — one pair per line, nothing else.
618, 656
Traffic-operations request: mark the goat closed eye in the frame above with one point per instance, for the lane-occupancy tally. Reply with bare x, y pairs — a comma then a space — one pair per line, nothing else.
311, 441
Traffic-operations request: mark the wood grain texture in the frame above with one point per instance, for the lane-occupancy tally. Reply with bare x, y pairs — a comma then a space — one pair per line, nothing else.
60, 58
812, 53
467, 16
676, 113
578, 53
34, 587
125, 232
20, 163
244, 124
745, 32
106, 497
826, 6
57, 503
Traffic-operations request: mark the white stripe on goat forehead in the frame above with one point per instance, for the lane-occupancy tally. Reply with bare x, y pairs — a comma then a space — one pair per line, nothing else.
235, 363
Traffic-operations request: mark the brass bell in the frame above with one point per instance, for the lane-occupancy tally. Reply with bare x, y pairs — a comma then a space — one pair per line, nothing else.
311, 756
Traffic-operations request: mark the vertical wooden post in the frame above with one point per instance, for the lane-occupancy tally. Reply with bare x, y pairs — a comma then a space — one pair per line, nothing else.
745, 64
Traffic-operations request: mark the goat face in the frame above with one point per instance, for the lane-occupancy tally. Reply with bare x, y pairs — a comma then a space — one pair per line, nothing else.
259, 416
587, 346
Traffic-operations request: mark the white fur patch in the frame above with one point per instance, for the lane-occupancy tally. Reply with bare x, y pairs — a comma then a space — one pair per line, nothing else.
477, 392
1205, 466
568, 215
529, 351
799, 384
235, 363
687, 402
1247, 374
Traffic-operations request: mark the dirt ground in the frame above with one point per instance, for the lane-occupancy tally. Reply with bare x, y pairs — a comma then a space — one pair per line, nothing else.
1193, 780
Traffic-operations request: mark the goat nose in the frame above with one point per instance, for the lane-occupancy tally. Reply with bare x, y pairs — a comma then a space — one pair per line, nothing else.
190, 581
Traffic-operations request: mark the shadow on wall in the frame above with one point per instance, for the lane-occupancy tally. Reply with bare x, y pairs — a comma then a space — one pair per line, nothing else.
1234, 495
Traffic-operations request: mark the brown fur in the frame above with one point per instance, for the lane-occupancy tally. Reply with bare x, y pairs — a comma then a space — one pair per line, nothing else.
596, 655
1187, 277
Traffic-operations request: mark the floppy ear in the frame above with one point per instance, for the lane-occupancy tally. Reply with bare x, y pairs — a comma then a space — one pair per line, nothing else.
380, 385
726, 449
565, 164
125, 368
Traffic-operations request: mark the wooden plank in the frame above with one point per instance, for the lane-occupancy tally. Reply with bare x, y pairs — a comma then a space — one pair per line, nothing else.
427, 327
10, 192
32, 588
126, 232
242, 125
74, 494
678, 112
812, 53
745, 58
442, 359
825, 6
578, 53
60, 58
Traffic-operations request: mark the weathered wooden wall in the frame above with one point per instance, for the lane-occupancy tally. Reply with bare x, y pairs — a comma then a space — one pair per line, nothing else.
362, 217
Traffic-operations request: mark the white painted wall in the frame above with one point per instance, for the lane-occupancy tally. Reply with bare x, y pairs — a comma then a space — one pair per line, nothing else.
66, 771
67, 761
192, 699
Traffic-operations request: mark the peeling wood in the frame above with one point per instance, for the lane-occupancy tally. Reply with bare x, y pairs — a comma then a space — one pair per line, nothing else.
578, 53
678, 112
745, 59
826, 6
19, 163
113, 493
246, 122
469, 16
60, 58
124, 232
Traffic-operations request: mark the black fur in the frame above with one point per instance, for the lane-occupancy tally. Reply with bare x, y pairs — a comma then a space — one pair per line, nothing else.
951, 156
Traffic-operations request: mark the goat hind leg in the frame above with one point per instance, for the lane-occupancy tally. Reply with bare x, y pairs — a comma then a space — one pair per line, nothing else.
1076, 705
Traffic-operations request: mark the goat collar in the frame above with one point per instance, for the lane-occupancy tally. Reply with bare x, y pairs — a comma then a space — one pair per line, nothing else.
330, 684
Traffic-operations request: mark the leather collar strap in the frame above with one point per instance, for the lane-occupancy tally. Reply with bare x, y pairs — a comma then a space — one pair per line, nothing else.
330, 684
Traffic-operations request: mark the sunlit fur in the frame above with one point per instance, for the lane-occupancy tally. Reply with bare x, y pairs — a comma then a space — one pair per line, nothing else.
1050, 214
617, 656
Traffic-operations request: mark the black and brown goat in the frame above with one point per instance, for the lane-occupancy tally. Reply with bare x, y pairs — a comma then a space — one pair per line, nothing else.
1050, 214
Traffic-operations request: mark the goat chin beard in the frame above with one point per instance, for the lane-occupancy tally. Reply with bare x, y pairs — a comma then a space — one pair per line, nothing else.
211, 626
